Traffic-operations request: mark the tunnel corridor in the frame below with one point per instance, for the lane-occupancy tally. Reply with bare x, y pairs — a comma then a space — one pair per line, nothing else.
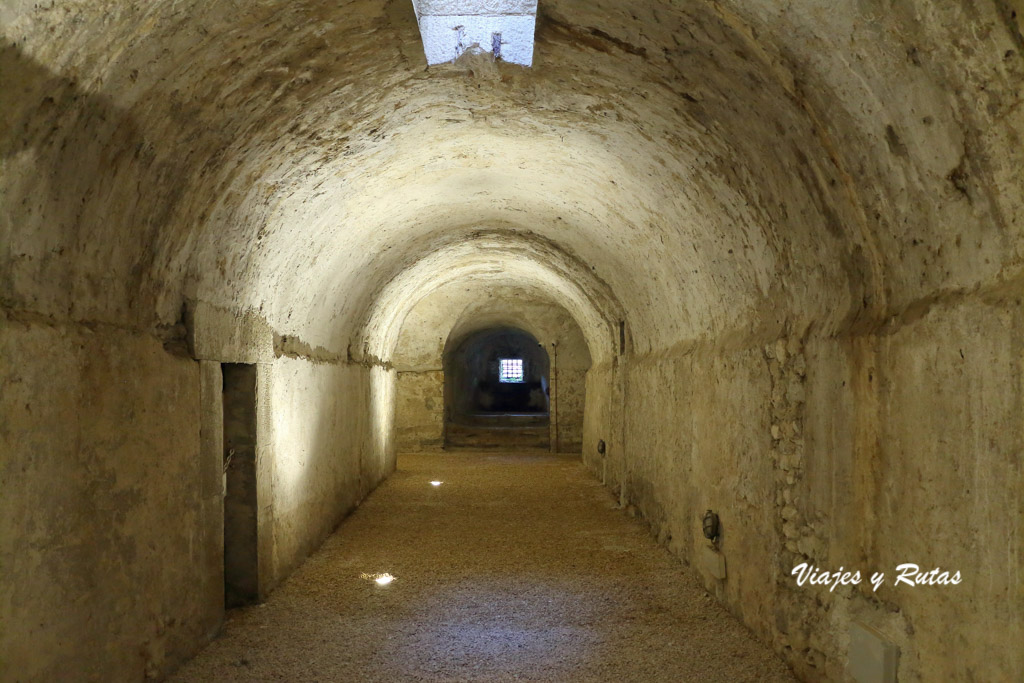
764, 260
518, 566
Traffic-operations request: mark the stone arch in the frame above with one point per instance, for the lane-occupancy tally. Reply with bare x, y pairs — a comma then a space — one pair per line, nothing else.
484, 408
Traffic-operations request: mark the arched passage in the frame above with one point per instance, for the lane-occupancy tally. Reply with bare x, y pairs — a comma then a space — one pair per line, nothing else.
457, 311
789, 232
496, 390
502, 371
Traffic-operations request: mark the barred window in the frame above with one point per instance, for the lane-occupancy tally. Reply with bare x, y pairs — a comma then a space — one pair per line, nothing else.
510, 370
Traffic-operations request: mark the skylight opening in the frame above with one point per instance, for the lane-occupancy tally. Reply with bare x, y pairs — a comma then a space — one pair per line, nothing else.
503, 28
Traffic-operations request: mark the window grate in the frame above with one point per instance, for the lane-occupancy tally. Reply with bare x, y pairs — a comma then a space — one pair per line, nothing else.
510, 370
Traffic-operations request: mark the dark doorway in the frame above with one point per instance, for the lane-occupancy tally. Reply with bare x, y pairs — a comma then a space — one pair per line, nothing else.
497, 391
241, 575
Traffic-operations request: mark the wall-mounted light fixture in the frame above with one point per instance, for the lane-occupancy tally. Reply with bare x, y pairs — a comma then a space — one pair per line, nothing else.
710, 526
600, 446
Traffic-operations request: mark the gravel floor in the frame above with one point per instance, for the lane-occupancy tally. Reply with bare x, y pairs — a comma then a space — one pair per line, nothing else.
518, 567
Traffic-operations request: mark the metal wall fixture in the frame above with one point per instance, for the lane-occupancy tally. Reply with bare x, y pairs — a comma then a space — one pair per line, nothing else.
710, 525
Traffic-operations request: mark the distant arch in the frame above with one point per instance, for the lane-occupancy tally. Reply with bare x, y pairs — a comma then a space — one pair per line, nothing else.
496, 389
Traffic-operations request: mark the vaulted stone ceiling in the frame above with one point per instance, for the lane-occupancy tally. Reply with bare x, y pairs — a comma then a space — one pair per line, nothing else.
718, 169
789, 232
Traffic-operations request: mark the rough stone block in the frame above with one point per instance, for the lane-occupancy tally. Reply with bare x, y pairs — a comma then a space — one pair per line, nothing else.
714, 562
873, 659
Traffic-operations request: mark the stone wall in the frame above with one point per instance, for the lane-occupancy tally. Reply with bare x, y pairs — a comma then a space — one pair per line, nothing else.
571, 395
324, 430
602, 422
419, 417
788, 234
324, 452
110, 522
902, 446
111, 527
